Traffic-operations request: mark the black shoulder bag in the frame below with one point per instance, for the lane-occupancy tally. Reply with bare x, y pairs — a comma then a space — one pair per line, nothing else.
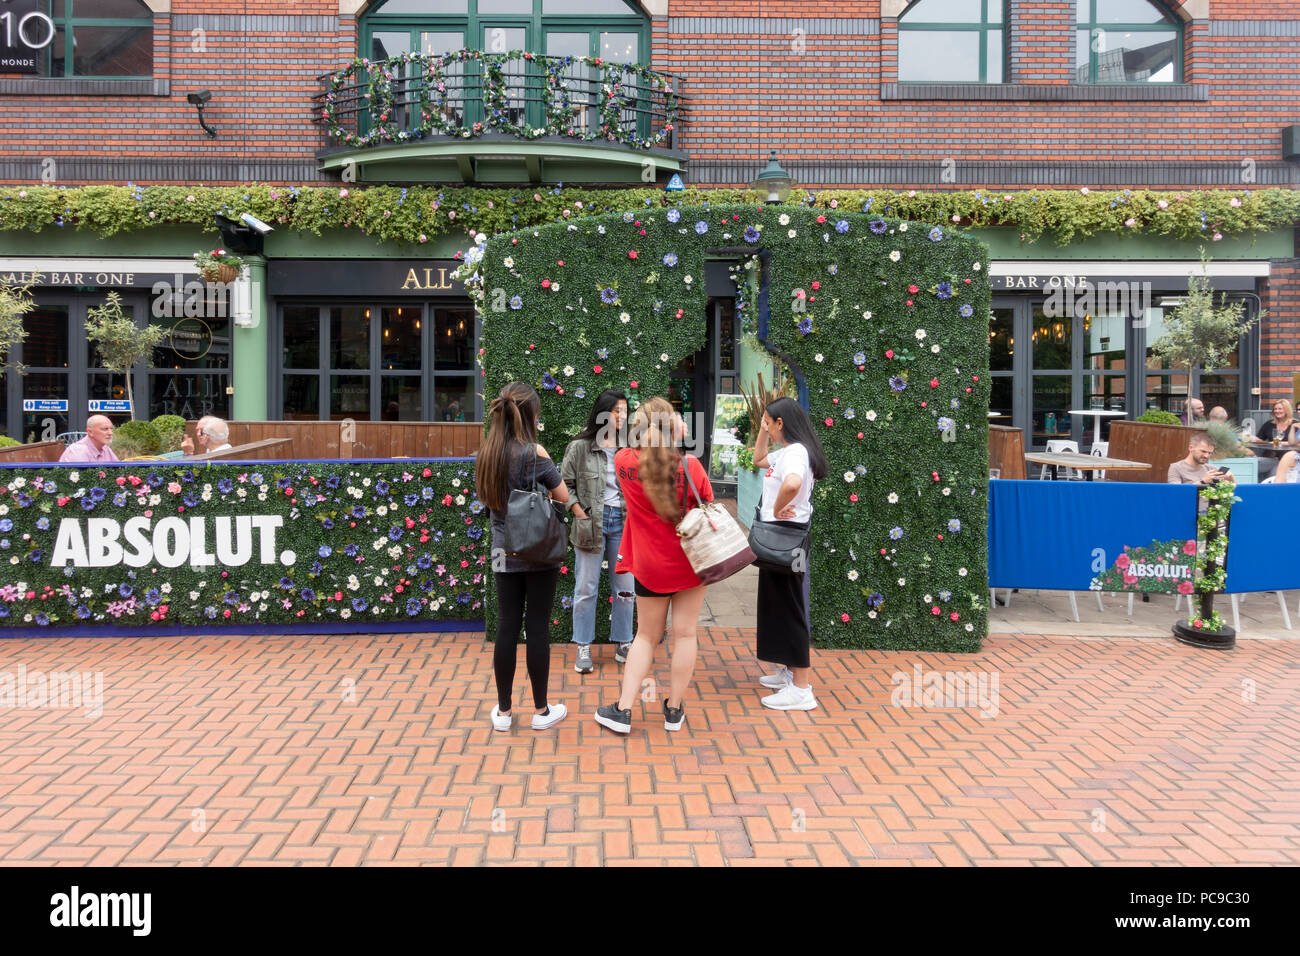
780, 546
534, 525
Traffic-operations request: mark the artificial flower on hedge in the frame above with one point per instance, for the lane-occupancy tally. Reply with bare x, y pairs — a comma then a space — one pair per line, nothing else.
243, 543
856, 355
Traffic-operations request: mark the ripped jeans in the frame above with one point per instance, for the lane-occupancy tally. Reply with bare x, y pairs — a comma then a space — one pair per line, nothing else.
586, 569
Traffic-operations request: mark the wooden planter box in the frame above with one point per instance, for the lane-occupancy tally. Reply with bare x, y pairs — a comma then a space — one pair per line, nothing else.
1158, 445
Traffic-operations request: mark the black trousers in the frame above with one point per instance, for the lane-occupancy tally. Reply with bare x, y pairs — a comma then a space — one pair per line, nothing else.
524, 600
784, 636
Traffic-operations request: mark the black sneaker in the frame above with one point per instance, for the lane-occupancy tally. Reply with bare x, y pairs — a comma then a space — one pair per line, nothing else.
620, 655
610, 717
674, 717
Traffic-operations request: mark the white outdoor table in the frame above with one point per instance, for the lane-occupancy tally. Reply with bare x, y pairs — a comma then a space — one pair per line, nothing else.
1098, 414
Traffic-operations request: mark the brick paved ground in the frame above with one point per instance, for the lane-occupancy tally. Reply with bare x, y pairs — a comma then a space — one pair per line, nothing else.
348, 750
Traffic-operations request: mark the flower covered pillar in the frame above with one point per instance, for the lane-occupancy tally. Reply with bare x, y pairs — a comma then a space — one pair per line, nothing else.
886, 322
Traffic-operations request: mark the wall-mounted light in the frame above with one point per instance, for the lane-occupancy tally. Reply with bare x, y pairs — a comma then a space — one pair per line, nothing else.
199, 100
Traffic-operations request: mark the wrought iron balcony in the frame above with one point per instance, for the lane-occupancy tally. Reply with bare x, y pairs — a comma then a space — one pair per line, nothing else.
466, 94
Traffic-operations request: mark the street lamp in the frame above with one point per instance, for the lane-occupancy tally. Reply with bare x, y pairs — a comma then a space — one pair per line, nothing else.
773, 183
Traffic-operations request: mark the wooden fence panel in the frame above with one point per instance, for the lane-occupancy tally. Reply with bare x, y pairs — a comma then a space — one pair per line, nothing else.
34, 453
317, 439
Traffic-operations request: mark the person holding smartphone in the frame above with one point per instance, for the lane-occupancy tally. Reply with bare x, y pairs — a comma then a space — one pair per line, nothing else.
1196, 469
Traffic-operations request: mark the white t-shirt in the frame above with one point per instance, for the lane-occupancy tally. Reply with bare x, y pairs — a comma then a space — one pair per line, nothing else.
790, 460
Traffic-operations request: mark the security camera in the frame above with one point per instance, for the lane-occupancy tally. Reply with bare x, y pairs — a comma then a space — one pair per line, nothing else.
250, 220
199, 98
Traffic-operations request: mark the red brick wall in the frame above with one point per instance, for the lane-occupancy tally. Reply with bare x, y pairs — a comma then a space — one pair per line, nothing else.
1280, 339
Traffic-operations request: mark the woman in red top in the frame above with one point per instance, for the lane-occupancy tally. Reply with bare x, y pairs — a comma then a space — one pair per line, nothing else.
651, 473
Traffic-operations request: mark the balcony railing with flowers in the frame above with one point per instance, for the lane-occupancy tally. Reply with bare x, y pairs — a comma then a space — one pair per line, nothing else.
467, 93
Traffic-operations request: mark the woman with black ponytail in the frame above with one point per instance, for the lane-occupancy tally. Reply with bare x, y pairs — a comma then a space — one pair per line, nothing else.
784, 631
511, 459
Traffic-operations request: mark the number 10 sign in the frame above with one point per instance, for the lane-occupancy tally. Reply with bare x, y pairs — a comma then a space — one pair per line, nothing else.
25, 30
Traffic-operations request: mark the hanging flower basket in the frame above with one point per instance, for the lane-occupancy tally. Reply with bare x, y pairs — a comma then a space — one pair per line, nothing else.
218, 265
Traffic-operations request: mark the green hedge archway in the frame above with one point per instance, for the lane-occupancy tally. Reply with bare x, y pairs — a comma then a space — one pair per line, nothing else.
885, 320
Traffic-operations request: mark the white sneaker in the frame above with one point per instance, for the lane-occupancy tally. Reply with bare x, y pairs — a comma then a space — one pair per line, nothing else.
791, 698
542, 721
500, 721
779, 679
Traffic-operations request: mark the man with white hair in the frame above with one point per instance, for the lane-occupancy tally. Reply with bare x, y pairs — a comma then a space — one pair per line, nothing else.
94, 447
212, 434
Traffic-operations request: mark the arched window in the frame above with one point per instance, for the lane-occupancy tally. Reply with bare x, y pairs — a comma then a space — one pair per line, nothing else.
1127, 41
88, 38
951, 41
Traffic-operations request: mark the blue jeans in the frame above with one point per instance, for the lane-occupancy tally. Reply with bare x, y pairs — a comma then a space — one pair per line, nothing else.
586, 569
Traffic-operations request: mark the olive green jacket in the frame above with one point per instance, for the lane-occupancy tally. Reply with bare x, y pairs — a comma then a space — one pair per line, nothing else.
583, 471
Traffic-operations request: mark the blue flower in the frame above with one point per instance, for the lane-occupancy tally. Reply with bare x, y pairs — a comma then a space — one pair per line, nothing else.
426, 585
6, 524
474, 532
153, 596
670, 259
805, 326
225, 486
307, 594
751, 234
35, 556
125, 590
935, 234
327, 524
842, 226
516, 302
945, 596
701, 227
895, 533
381, 487
359, 604
566, 602
898, 383
324, 550
875, 599
673, 215
966, 311
850, 413
191, 500
332, 482
412, 607
231, 597
282, 483
580, 392
860, 470
286, 583
859, 358
4, 611
119, 500
945, 424
395, 533
878, 226
42, 619
602, 353
955, 404
954, 525
359, 511
609, 295
83, 612
316, 568
351, 550
210, 611
463, 597
154, 479
4, 544
628, 217
256, 478
424, 562
943, 290
548, 382
833, 269
87, 504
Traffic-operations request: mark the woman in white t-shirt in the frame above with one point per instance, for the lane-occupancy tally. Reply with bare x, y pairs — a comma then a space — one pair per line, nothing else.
784, 632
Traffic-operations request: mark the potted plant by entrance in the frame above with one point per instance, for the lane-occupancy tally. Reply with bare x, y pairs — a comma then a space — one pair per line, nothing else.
218, 265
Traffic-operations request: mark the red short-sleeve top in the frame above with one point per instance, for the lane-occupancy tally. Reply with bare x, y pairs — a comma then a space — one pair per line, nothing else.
650, 548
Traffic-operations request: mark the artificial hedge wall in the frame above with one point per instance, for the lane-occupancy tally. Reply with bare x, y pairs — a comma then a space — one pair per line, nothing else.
886, 322
344, 543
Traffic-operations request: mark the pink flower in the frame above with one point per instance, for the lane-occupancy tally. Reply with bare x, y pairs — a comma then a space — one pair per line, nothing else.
343, 194
830, 422
1122, 562
845, 618
889, 353
1130, 579
596, 369
631, 254
174, 487
935, 610
954, 616
853, 497
1234, 202
1189, 547
1185, 587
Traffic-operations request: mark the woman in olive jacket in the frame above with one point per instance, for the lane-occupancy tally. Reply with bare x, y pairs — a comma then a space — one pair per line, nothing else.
597, 528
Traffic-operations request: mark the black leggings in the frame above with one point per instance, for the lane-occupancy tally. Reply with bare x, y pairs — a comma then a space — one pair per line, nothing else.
536, 589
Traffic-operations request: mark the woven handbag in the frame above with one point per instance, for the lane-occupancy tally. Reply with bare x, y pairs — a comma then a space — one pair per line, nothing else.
713, 541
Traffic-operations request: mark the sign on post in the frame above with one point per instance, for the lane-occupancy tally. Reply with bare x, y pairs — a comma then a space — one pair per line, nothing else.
103, 405
675, 183
45, 405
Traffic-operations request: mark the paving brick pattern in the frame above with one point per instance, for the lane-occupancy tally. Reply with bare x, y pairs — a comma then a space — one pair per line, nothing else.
377, 749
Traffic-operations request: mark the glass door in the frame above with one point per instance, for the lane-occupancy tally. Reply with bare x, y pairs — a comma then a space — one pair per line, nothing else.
1054, 343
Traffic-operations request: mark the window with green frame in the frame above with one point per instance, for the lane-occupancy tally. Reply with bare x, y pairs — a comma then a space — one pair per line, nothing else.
99, 38
952, 41
1126, 41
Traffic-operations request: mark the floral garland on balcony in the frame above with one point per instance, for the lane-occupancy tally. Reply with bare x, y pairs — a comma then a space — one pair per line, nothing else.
438, 111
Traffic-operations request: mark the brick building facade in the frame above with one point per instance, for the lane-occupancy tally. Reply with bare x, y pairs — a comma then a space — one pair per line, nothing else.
838, 96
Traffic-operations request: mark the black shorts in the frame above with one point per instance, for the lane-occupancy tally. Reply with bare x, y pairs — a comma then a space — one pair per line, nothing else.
643, 591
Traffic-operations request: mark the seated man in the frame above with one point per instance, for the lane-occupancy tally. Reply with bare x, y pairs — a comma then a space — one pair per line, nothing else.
94, 447
1196, 469
211, 434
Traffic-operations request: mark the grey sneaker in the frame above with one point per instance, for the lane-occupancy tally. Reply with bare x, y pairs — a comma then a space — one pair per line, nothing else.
620, 655
584, 665
619, 721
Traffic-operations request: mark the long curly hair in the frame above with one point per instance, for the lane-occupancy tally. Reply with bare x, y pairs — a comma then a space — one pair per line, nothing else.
653, 432
512, 426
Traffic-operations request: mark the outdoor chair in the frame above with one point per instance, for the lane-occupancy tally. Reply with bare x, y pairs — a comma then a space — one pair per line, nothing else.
69, 437
1059, 445
1100, 449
